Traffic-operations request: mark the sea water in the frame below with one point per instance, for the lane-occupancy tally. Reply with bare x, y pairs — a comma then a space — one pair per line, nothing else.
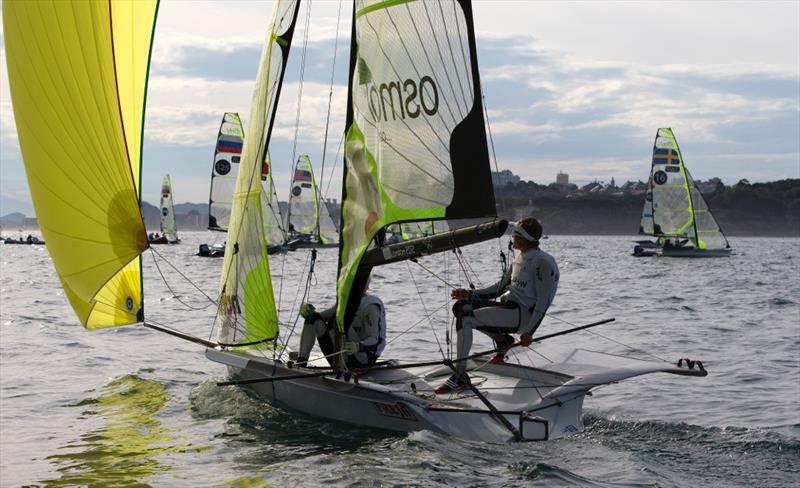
131, 406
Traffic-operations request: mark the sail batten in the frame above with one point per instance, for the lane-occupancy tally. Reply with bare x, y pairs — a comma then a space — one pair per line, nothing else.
78, 76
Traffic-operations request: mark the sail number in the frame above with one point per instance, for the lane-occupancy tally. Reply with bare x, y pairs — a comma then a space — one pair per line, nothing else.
412, 99
397, 410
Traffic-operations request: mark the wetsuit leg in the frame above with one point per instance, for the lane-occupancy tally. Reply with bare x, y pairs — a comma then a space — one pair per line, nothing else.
496, 321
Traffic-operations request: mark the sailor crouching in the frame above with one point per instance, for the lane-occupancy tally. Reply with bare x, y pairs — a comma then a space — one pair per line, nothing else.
365, 337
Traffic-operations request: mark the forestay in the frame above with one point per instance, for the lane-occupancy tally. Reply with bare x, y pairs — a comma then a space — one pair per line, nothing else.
168, 226
415, 144
678, 207
227, 154
78, 76
246, 311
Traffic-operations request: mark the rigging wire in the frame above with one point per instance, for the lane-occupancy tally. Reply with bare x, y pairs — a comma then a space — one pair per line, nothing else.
425, 309
496, 169
432, 273
612, 340
303, 52
324, 152
335, 163
312, 256
175, 295
301, 83
330, 96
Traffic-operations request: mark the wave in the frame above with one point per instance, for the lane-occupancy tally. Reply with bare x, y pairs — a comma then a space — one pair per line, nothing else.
751, 456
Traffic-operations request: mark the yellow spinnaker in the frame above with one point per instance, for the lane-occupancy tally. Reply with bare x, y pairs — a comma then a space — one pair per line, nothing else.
78, 75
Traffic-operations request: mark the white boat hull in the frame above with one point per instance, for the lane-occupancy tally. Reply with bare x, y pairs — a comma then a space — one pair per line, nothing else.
692, 252
537, 404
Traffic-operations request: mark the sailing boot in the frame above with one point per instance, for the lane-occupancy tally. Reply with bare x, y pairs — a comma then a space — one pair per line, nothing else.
457, 382
502, 345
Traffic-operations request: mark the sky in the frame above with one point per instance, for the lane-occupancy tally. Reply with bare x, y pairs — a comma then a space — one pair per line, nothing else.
578, 87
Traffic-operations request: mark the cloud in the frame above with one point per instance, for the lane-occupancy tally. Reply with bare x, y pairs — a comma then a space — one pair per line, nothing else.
186, 111
181, 31
560, 96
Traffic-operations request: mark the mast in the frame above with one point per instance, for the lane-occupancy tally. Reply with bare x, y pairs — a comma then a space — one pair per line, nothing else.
246, 311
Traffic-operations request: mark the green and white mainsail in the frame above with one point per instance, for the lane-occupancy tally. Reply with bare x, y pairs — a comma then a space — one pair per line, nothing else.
415, 143
246, 311
677, 207
227, 154
78, 78
308, 214
168, 226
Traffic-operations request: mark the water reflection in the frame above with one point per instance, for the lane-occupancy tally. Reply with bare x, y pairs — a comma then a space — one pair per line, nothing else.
131, 444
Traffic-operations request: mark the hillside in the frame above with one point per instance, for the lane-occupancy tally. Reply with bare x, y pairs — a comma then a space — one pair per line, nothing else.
761, 209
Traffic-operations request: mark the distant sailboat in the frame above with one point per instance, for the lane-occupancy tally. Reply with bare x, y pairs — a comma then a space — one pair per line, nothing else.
169, 229
675, 211
225, 168
309, 219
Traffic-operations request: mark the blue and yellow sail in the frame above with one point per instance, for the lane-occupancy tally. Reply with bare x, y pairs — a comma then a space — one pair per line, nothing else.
674, 207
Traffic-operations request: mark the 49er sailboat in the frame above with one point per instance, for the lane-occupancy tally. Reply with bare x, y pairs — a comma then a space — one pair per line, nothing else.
415, 151
308, 218
224, 172
424, 159
675, 210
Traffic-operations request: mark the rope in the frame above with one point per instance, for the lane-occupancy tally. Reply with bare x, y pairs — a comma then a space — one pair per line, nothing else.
175, 295
416, 261
646, 353
460, 261
425, 309
330, 97
306, 289
301, 84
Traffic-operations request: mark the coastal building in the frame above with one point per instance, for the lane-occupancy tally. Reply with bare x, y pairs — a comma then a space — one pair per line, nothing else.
710, 186
503, 178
